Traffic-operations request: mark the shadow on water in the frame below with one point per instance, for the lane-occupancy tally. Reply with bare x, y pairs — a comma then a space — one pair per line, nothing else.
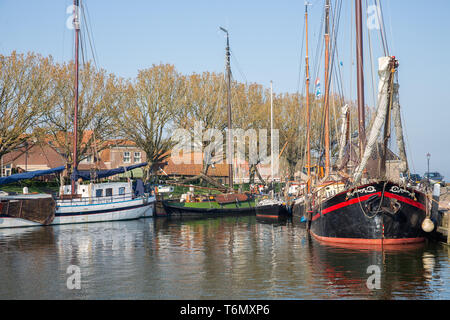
217, 258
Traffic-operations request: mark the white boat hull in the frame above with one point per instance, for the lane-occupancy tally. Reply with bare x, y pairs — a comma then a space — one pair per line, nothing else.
85, 213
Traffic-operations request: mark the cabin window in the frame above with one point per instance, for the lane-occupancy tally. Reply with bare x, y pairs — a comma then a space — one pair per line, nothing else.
109, 192
99, 193
137, 157
121, 190
126, 157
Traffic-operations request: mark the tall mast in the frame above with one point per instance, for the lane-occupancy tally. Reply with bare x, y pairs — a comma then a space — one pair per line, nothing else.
76, 23
230, 142
327, 89
360, 77
271, 130
308, 122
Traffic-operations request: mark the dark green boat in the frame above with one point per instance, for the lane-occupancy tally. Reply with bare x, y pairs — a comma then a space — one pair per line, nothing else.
221, 205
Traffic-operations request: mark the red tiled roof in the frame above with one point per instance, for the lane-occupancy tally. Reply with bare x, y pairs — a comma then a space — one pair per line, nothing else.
38, 154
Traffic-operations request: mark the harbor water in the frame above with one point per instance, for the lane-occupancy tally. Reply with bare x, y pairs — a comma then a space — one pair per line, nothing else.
223, 258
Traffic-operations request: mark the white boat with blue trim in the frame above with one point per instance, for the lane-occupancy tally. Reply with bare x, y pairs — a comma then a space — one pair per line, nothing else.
98, 202
78, 202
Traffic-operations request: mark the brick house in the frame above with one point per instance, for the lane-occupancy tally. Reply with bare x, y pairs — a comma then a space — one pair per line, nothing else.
121, 153
30, 158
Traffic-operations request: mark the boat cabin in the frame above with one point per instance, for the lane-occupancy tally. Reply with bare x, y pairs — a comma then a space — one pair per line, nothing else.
116, 190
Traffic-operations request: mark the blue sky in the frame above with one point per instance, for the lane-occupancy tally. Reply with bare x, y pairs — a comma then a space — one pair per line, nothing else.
266, 39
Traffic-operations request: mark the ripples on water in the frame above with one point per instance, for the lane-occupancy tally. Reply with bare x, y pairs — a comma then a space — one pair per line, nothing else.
224, 258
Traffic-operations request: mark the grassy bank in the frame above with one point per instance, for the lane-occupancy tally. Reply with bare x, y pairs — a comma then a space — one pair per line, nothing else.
33, 187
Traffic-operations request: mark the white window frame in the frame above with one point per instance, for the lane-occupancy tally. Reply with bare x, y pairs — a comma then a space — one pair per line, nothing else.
6, 170
126, 158
137, 159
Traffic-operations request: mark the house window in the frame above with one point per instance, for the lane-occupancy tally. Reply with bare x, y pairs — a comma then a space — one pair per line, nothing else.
99, 193
109, 192
121, 190
126, 157
6, 170
137, 157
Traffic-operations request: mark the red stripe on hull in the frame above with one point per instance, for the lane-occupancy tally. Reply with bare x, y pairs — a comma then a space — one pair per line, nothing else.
345, 204
368, 241
406, 200
364, 198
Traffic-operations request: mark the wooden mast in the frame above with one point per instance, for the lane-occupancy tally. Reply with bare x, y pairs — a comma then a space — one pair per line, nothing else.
360, 77
76, 24
230, 141
271, 133
308, 119
327, 82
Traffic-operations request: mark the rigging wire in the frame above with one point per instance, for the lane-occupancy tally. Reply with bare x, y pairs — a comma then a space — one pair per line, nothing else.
371, 63
300, 67
392, 42
382, 27
233, 56
87, 19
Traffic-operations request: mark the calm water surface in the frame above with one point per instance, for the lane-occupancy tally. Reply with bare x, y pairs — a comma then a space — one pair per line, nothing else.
224, 258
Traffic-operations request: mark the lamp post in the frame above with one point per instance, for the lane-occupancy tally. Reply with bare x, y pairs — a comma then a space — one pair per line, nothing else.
428, 170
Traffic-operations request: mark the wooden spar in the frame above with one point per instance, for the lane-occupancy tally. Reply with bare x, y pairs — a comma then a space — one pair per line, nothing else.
308, 120
360, 77
271, 131
387, 122
327, 82
76, 24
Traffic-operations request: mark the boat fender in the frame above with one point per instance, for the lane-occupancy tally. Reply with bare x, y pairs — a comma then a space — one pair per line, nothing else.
427, 225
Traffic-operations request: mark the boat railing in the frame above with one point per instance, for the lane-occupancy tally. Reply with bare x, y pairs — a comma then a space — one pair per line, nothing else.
78, 200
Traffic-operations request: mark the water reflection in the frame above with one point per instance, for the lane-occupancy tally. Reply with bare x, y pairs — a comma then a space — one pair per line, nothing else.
223, 258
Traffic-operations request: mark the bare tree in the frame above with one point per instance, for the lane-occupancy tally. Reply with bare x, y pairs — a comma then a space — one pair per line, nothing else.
145, 114
99, 93
24, 95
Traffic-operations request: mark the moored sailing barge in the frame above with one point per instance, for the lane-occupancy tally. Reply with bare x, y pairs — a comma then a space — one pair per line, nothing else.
361, 205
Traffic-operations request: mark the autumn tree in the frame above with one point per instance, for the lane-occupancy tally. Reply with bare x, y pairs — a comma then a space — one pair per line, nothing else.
24, 95
290, 120
146, 113
250, 104
99, 92
204, 110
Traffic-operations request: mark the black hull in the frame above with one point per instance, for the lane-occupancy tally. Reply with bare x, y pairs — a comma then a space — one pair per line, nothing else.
174, 211
377, 213
272, 211
298, 210
160, 211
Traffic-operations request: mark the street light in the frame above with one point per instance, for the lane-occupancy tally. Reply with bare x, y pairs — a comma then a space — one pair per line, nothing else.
428, 172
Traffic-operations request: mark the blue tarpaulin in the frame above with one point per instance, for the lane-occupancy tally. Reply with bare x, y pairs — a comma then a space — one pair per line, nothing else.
98, 174
29, 175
